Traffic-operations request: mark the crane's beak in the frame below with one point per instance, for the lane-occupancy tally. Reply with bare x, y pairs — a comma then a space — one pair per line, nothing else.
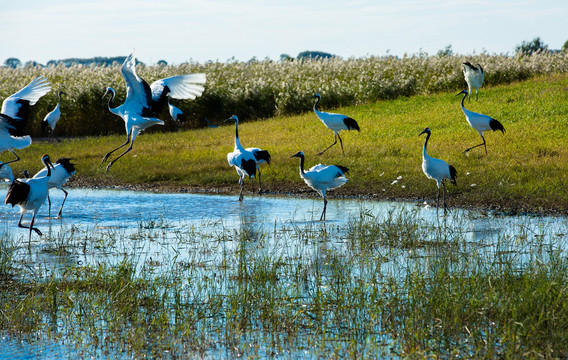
423, 131
232, 118
462, 92
298, 154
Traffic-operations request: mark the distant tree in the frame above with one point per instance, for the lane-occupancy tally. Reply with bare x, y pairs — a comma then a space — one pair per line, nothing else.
31, 63
95, 61
446, 52
162, 63
565, 46
285, 57
314, 55
12, 63
529, 47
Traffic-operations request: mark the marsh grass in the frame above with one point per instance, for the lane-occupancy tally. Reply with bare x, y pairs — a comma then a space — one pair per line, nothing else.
382, 285
264, 89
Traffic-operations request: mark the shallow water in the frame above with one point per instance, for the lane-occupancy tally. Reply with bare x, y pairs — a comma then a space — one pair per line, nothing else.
113, 209
157, 228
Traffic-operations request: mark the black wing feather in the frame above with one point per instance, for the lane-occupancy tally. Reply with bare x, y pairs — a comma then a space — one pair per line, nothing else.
496, 125
343, 169
147, 110
16, 126
249, 166
351, 124
262, 155
470, 65
158, 102
67, 164
453, 175
17, 193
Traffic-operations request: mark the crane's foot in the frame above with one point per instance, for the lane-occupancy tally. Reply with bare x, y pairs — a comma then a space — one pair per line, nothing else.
37, 231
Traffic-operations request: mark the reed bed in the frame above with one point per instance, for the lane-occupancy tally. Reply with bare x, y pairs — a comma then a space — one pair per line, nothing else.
383, 285
264, 89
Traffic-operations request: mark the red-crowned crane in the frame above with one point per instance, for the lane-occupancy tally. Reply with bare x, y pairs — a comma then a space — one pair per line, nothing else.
437, 169
50, 120
262, 157
322, 178
474, 77
334, 122
29, 195
243, 160
14, 115
479, 122
144, 102
62, 171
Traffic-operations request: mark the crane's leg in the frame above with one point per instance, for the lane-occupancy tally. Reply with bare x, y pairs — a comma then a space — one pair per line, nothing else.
31, 227
49, 205
53, 136
438, 200
324, 208
61, 208
335, 142
242, 183
121, 155
259, 183
473, 147
341, 143
121, 146
16, 159
444, 196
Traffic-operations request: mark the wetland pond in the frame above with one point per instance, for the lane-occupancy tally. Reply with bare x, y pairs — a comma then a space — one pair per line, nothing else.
137, 274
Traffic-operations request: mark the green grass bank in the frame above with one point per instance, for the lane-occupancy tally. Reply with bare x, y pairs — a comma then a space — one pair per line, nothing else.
525, 169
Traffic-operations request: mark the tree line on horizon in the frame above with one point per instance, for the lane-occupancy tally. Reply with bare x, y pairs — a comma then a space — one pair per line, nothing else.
527, 47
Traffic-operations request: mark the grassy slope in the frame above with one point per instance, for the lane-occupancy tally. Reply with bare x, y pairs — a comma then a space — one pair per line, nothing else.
526, 169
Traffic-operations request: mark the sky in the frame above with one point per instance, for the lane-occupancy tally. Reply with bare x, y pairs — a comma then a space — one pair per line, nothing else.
178, 31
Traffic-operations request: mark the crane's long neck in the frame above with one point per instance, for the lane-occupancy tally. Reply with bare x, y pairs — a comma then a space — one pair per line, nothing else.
424, 153
48, 169
59, 103
302, 164
113, 110
237, 142
316, 104
462, 102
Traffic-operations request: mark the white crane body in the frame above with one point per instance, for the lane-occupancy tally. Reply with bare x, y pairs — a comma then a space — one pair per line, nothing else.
474, 77
322, 178
437, 169
243, 160
14, 115
479, 122
334, 122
